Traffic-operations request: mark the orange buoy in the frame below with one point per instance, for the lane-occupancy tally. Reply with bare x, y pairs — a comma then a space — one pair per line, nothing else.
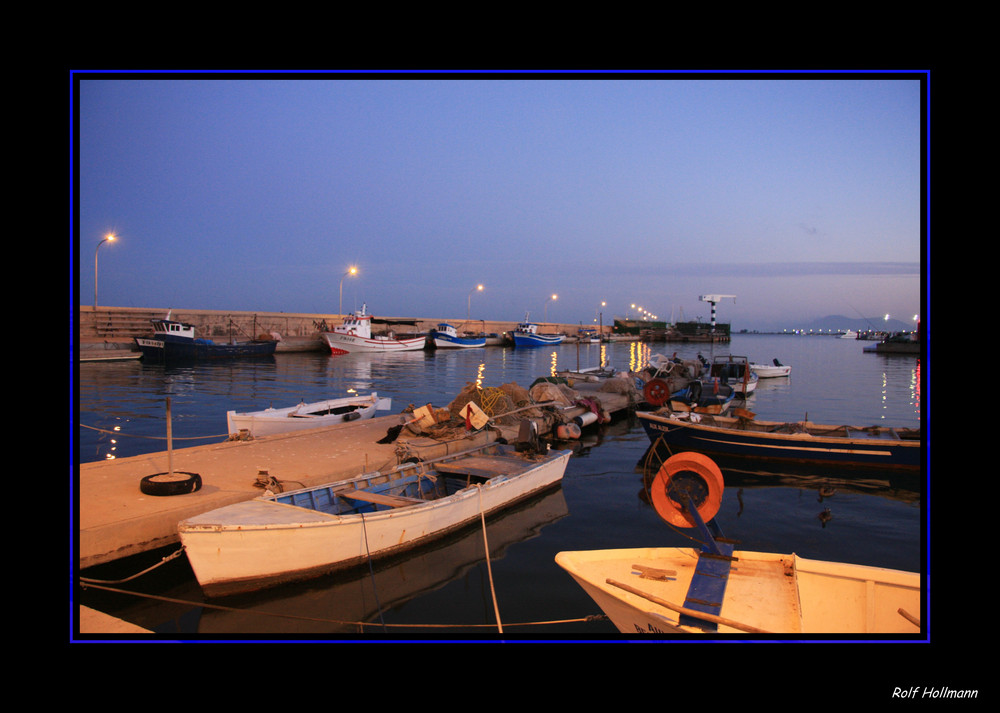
656, 392
683, 476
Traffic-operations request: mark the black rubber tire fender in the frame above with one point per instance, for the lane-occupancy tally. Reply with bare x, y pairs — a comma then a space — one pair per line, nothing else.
154, 485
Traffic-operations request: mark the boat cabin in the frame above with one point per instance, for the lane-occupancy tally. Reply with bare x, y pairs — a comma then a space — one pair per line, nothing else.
172, 328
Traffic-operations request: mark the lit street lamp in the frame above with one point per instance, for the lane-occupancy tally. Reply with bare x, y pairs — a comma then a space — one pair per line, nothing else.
546, 311
352, 271
109, 239
468, 314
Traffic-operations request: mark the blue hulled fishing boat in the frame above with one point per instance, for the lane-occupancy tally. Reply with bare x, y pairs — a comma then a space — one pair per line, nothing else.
176, 341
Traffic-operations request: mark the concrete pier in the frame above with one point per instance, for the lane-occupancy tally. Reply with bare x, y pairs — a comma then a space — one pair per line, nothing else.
117, 520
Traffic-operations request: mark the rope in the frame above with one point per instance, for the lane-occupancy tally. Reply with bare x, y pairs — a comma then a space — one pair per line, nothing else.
371, 570
118, 434
362, 624
489, 569
137, 574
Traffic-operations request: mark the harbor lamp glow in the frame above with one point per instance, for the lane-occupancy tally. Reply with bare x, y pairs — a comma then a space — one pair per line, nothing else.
110, 238
554, 297
352, 271
468, 313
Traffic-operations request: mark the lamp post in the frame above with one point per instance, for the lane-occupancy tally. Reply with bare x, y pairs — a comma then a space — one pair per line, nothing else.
546, 310
351, 271
468, 313
110, 238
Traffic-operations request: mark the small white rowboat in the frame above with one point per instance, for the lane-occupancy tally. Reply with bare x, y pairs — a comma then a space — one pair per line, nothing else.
308, 532
305, 416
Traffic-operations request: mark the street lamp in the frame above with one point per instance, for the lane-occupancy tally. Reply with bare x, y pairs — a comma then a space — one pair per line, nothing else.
110, 238
352, 271
468, 314
546, 311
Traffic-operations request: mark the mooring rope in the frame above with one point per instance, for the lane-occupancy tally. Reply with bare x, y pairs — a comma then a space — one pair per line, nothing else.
341, 622
119, 434
489, 568
137, 574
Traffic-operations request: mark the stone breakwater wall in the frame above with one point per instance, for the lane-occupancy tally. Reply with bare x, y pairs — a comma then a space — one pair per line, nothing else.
119, 325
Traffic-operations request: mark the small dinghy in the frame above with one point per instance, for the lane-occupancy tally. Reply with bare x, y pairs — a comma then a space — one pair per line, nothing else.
719, 590
771, 371
305, 416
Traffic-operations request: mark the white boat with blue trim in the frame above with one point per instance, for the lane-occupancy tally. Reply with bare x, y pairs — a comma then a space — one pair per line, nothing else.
305, 533
527, 335
446, 337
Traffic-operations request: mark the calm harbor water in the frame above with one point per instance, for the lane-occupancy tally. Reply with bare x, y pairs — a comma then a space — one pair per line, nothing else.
447, 590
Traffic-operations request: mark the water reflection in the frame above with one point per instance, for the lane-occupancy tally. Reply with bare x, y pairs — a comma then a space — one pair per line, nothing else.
337, 603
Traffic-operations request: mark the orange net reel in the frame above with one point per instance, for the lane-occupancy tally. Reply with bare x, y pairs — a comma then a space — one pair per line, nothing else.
684, 480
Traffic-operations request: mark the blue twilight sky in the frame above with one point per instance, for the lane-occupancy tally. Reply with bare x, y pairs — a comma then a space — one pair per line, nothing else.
799, 195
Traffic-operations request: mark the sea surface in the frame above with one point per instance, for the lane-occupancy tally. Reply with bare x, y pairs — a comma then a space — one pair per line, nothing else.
451, 590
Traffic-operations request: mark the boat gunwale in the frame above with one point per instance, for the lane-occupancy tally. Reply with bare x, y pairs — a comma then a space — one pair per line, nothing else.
490, 485
825, 431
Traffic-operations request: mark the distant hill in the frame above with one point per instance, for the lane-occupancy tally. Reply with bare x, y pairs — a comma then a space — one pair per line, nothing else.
840, 323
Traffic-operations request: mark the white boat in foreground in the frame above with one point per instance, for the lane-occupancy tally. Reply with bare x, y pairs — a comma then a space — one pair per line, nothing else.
766, 593
308, 532
304, 416
771, 371
718, 589
355, 335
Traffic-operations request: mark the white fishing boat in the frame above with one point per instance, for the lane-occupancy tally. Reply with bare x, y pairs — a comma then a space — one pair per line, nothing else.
719, 590
446, 337
849, 334
771, 371
304, 533
355, 335
304, 416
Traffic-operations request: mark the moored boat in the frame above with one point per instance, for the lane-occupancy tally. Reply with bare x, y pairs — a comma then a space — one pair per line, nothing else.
355, 335
304, 533
717, 589
527, 335
446, 337
786, 443
176, 341
771, 371
708, 397
735, 371
304, 416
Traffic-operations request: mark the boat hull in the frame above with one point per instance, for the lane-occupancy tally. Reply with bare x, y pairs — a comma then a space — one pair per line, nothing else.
168, 349
348, 343
271, 421
264, 542
537, 340
765, 371
446, 341
771, 593
871, 448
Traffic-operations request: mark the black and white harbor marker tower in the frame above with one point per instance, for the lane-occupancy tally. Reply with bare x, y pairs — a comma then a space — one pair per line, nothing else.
714, 300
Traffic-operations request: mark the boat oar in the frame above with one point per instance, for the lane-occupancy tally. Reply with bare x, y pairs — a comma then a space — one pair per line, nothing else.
688, 612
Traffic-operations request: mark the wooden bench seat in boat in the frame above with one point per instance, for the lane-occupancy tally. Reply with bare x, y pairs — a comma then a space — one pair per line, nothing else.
396, 501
